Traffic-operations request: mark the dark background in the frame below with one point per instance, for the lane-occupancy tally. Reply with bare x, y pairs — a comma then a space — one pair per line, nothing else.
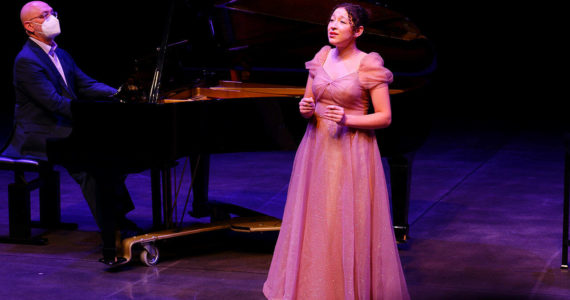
496, 62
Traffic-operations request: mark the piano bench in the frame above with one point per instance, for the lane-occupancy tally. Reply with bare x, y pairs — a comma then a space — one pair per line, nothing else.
19, 208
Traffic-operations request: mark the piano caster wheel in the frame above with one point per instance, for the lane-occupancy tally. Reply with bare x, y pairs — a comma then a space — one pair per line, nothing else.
149, 255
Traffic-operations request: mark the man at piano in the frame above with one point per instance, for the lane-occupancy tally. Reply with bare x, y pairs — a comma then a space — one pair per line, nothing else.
46, 81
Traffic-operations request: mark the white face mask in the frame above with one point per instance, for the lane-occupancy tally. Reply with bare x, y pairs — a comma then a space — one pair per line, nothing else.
50, 28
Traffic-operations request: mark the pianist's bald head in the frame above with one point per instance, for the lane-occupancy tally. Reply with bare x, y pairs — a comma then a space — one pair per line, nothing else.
33, 9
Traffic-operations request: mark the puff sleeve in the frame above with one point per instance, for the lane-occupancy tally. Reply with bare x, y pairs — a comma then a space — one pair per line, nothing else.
317, 61
372, 72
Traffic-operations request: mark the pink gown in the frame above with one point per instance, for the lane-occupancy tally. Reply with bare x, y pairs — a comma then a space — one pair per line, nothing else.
336, 239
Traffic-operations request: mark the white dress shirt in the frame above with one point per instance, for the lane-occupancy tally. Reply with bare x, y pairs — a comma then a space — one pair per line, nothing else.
50, 51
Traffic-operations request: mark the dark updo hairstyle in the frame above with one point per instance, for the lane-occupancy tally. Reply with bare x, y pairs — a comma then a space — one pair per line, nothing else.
358, 15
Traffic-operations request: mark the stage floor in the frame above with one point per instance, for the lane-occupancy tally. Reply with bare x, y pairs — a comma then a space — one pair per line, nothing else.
485, 217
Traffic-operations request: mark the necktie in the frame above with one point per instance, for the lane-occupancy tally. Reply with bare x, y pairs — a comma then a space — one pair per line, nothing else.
57, 64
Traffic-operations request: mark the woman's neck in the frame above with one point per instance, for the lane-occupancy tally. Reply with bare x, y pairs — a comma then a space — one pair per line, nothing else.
343, 52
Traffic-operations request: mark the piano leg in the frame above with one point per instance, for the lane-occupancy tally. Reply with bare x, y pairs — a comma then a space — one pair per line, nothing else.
400, 177
167, 197
200, 168
201, 206
156, 199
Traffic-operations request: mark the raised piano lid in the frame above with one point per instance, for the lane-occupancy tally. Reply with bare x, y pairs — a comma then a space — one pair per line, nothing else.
383, 22
269, 41
294, 30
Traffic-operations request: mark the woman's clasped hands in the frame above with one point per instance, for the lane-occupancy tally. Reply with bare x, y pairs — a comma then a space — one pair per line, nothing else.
334, 113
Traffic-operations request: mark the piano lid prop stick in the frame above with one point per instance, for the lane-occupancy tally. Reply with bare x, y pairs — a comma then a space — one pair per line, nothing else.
155, 86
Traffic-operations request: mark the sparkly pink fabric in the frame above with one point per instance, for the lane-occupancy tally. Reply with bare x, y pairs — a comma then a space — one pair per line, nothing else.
336, 239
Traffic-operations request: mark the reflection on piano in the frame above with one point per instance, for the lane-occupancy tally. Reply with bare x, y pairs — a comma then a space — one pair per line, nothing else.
235, 86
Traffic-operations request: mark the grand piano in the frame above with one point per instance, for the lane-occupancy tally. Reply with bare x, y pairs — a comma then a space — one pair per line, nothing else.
232, 84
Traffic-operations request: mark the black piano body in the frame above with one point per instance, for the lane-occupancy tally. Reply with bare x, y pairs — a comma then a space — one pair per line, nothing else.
133, 137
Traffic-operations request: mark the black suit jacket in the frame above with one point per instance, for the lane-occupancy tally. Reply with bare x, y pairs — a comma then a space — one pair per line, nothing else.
43, 100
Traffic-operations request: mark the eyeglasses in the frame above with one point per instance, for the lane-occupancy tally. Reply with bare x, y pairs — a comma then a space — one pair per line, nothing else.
45, 15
